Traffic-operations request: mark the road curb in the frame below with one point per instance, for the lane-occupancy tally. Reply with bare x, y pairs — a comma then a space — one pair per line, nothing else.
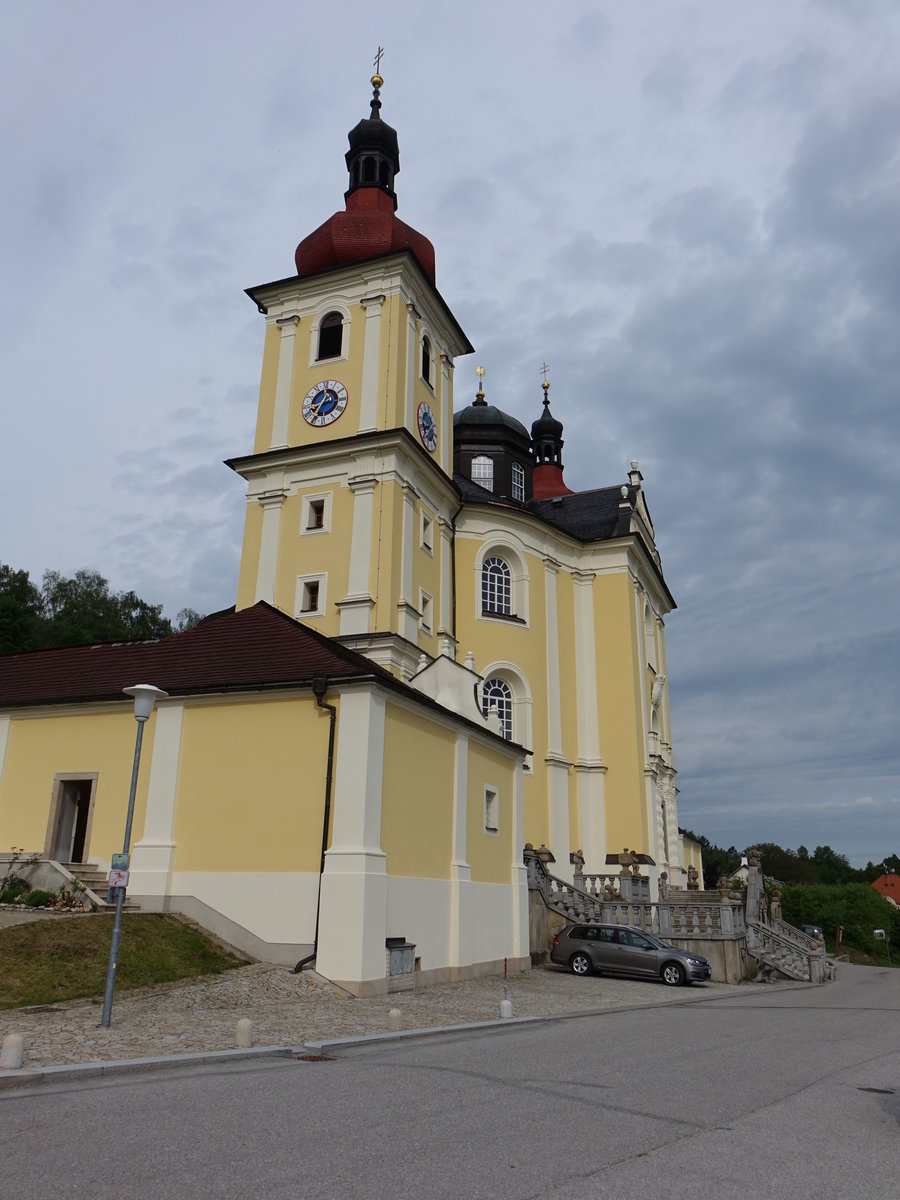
104, 1068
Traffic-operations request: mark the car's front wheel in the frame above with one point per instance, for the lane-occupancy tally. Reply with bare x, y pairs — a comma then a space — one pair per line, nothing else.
580, 964
673, 974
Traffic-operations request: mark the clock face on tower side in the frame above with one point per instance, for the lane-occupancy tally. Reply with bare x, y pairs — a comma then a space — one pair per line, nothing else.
427, 427
324, 402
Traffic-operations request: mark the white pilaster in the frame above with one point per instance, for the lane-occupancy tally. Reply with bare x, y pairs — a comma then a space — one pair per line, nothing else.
445, 444
4, 742
554, 704
412, 346
353, 913
368, 401
519, 873
356, 607
460, 871
266, 568
408, 612
444, 547
153, 858
288, 326
589, 766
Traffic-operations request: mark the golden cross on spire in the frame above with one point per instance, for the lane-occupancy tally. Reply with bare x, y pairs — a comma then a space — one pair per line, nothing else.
545, 370
479, 371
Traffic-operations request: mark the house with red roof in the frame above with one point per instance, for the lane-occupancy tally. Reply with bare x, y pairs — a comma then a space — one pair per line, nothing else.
888, 886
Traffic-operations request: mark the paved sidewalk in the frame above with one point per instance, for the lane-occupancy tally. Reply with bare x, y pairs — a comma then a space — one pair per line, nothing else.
198, 1016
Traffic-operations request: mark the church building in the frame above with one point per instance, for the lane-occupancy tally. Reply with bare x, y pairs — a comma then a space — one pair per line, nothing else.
438, 653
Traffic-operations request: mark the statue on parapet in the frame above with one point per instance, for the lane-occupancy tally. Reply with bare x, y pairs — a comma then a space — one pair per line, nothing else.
693, 878
577, 859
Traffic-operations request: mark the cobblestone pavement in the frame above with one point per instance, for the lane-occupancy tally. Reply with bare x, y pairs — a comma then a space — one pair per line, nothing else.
194, 1016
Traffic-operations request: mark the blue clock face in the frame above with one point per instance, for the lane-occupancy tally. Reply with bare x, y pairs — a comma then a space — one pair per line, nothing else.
324, 402
427, 427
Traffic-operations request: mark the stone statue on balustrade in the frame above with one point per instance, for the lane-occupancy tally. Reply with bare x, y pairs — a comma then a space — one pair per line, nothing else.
693, 878
577, 859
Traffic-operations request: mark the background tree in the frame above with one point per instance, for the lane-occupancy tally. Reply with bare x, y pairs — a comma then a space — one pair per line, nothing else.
69, 612
20, 611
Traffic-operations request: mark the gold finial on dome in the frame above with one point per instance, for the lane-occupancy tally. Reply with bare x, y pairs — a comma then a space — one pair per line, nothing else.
479, 395
376, 79
545, 371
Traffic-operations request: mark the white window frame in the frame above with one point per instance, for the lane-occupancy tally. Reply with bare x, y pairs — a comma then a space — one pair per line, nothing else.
306, 508
426, 612
302, 582
426, 531
480, 460
328, 307
491, 810
522, 705
425, 335
519, 582
518, 481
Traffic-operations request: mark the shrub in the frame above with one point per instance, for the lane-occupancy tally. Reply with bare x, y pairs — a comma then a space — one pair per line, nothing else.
38, 898
14, 888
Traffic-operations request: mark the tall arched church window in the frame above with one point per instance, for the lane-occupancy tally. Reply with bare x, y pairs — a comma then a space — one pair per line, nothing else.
483, 472
331, 336
496, 586
496, 694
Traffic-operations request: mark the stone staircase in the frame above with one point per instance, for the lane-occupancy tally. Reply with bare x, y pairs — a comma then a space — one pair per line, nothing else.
94, 879
782, 949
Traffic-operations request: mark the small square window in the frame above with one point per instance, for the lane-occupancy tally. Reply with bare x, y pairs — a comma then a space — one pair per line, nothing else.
310, 601
315, 515
310, 596
491, 811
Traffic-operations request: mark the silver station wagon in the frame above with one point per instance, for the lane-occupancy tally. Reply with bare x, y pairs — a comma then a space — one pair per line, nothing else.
623, 950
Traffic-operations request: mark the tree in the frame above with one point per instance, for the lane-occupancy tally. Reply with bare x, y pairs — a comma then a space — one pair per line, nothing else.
20, 611
69, 612
187, 618
785, 865
833, 867
82, 609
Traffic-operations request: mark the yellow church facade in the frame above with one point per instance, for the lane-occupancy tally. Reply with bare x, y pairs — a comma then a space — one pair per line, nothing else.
438, 653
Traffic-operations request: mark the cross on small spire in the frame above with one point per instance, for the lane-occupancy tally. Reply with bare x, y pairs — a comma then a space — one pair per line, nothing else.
545, 370
378, 58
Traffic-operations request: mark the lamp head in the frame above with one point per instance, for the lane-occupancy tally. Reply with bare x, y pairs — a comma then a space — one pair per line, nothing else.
145, 697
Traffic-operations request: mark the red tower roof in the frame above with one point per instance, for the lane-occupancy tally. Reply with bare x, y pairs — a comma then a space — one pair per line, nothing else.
368, 227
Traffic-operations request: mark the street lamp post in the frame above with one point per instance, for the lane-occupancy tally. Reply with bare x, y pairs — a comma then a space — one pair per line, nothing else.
145, 697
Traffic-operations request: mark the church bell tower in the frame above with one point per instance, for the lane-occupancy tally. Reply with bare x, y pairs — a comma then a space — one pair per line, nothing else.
350, 499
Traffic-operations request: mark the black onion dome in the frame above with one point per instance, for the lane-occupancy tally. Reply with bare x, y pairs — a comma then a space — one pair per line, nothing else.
481, 415
374, 155
546, 427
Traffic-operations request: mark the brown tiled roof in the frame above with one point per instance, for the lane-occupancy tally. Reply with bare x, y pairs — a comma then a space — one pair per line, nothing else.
258, 647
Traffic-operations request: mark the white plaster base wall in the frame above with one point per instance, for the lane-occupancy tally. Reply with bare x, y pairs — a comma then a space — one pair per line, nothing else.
419, 910
270, 915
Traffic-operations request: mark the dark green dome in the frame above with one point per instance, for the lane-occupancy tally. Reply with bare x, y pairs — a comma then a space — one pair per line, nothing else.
481, 415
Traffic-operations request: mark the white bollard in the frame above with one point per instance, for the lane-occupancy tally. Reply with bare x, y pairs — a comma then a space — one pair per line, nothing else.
12, 1052
506, 1009
395, 1019
244, 1033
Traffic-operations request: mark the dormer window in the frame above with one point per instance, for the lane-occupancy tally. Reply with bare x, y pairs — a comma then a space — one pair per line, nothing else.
483, 472
331, 336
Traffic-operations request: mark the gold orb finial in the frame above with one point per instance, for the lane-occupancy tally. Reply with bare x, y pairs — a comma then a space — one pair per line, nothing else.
376, 80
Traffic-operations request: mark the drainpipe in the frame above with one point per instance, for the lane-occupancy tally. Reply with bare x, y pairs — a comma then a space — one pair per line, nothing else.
320, 687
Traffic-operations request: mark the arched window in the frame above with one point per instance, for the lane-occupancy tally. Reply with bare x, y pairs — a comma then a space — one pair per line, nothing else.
369, 169
496, 586
650, 636
426, 359
331, 336
497, 694
483, 472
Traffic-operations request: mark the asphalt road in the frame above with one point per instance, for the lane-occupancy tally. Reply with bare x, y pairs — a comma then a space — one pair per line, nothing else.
780, 1094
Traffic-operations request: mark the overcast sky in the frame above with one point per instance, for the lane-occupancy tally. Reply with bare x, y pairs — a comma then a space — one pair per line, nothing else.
690, 210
